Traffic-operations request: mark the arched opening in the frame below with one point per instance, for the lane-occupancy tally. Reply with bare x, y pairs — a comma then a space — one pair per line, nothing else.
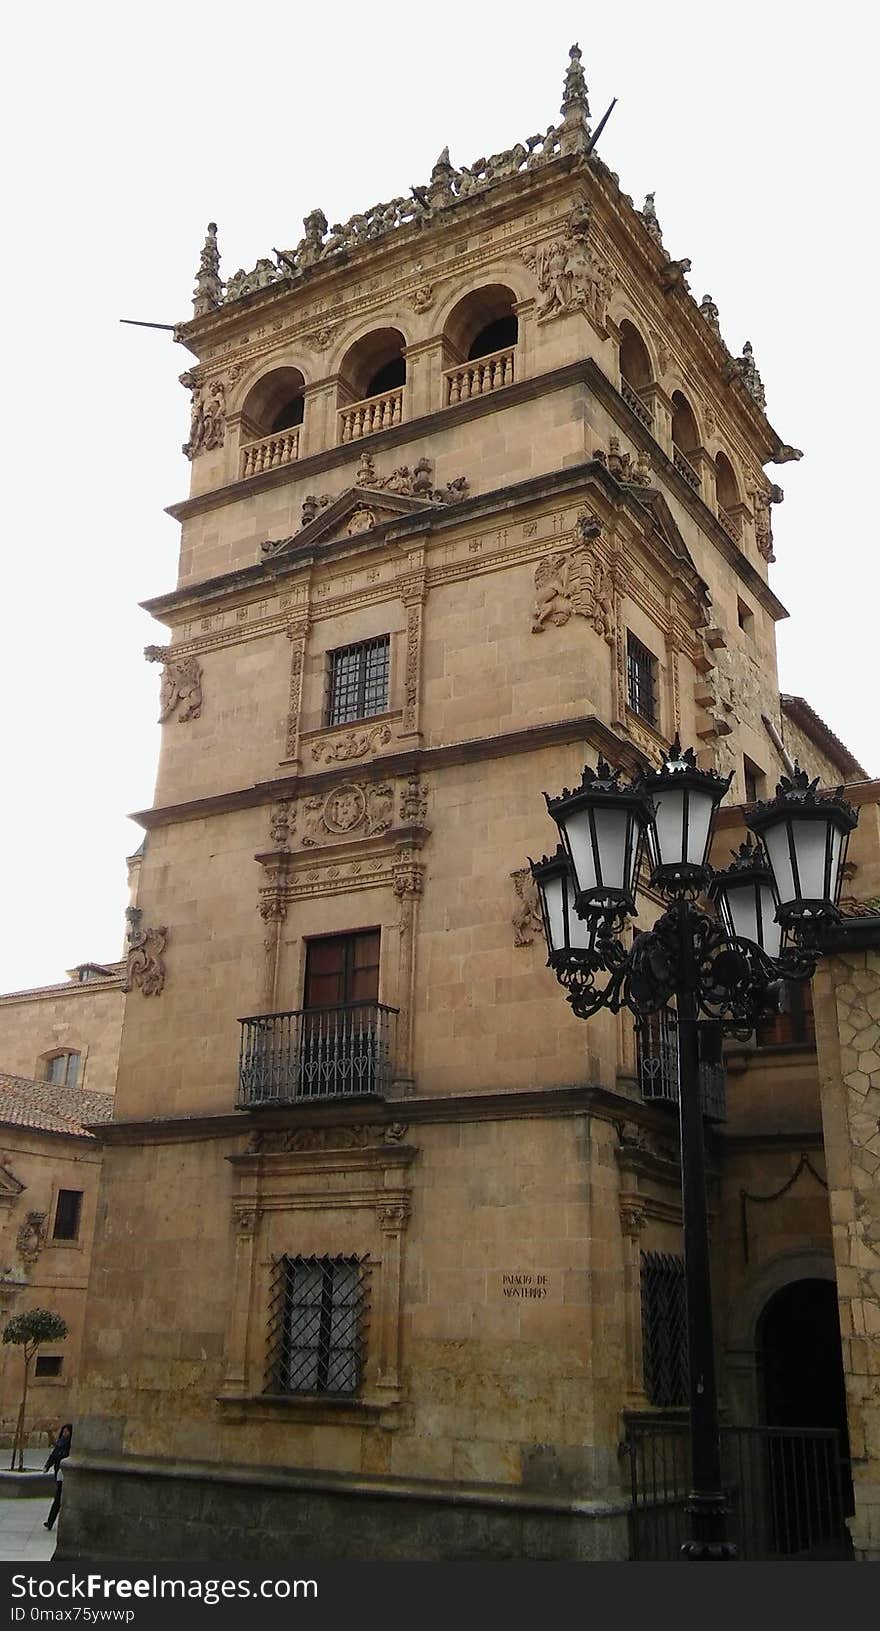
373, 377
685, 435
272, 413
801, 1366
635, 364
482, 329
725, 482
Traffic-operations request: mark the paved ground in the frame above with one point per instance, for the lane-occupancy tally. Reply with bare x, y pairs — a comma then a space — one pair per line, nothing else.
22, 1536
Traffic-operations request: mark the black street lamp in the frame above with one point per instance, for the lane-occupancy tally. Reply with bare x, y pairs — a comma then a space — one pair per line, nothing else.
729, 965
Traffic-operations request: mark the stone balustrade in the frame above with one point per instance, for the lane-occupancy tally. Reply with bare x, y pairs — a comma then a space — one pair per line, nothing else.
479, 377
731, 524
685, 468
633, 400
270, 452
373, 414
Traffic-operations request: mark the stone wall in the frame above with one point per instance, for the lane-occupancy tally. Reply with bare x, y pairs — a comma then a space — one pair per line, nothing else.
85, 1018
848, 1035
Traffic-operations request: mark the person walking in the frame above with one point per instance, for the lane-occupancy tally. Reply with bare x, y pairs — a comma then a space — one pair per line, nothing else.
60, 1449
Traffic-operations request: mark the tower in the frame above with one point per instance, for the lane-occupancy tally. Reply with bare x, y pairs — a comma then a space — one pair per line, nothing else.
478, 490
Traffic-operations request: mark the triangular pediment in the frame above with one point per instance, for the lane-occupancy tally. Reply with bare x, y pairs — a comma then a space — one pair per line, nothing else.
10, 1186
665, 522
355, 513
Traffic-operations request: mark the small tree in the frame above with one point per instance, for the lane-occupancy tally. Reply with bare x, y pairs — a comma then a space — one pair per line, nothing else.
28, 1331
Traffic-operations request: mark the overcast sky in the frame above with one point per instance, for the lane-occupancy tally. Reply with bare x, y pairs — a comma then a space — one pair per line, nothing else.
127, 128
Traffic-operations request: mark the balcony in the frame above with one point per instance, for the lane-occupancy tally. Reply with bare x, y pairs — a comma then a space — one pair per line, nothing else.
270, 452
658, 1065
372, 414
316, 1054
479, 377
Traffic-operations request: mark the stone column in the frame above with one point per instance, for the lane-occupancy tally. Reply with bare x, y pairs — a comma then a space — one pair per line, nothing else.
847, 1007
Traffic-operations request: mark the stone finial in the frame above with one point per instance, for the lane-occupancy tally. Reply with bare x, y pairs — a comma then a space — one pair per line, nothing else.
649, 216
208, 291
750, 377
574, 94
710, 313
440, 190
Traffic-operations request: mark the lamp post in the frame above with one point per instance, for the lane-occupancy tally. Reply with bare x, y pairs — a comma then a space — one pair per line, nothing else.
728, 965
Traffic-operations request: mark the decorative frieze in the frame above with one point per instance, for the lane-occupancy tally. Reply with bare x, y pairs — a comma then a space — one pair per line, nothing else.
181, 685
354, 745
145, 966
297, 1140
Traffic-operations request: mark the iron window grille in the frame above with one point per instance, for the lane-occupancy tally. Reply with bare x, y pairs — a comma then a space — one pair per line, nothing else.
358, 681
641, 666
664, 1329
317, 1325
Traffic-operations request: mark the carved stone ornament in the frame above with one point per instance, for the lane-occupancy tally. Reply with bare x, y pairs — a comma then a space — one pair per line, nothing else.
296, 1140
181, 684
762, 501
363, 520
281, 823
709, 311
632, 1216
748, 373
569, 584
649, 217
417, 482
245, 1217
363, 808
393, 1215
527, 921
208, 291
323, 337
636, 472
414, 803
409, 878
144, 962
356, 745
569, 276
674, 276
422, 298
31, 1237
207, 428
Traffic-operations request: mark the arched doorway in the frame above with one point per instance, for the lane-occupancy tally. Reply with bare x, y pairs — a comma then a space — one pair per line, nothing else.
802, 1386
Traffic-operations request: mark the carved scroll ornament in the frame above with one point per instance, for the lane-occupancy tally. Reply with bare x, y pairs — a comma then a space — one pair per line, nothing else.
144, 962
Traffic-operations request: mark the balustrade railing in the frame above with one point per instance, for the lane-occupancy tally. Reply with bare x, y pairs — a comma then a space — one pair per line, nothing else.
658, 1065
685, 468
731, 526
633, 400
270, 452
479, 377
316, 1053
374, 413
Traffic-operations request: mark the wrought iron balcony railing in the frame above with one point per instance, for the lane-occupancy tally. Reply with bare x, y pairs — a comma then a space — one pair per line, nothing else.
658, 1067
316, 1053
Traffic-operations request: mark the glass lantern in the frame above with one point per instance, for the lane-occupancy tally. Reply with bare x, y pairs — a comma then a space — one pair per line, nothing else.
685, 799
603, 824
805, 833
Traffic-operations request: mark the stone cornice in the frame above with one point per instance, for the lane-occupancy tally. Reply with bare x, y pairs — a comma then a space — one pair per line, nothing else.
585, 727
72, 988
460, 1107
436, 519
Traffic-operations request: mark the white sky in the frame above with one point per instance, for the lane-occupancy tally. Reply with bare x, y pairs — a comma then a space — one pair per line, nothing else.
127, 128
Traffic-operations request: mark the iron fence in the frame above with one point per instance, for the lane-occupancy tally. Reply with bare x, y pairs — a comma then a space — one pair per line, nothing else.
785, 1490
316, 1053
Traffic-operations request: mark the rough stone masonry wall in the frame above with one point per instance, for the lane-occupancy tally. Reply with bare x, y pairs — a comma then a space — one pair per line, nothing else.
847, 996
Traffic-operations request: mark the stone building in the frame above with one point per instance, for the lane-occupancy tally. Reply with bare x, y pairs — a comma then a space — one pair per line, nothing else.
478, 492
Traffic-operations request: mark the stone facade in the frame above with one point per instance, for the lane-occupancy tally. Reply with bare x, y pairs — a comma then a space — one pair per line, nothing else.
510, 525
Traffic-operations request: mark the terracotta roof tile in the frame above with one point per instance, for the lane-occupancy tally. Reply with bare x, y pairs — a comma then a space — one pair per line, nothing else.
50, 1107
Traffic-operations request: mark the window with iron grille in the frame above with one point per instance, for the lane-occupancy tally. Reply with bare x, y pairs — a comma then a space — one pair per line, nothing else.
317, 1326
664, 1328
358, 681
641, 669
